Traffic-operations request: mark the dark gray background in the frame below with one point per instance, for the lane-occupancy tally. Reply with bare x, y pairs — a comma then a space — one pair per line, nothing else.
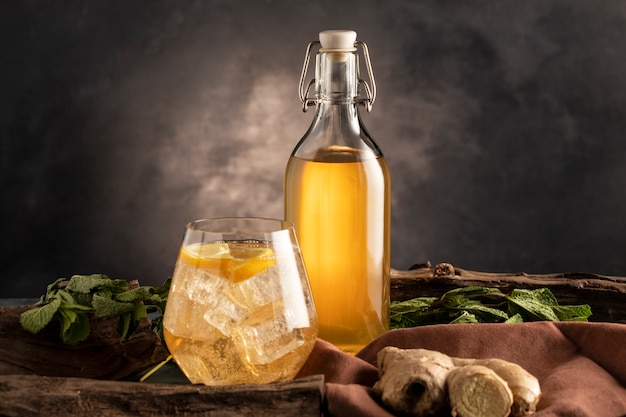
120, 121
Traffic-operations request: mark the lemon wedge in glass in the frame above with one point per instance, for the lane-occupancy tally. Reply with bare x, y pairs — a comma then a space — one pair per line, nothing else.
236, 262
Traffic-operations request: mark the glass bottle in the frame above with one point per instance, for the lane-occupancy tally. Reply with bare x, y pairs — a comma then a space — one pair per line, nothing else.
337, 194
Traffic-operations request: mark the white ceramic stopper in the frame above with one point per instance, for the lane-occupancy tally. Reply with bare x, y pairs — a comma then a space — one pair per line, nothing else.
337, 39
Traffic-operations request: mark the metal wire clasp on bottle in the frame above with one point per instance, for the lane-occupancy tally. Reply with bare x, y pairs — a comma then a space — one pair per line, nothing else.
370, 91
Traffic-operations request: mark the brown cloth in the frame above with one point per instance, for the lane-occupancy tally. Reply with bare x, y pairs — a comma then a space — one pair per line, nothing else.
581, 366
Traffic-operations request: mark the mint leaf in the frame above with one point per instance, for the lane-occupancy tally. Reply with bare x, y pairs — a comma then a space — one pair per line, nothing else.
533, 305
74, 326
105, 307
469, 300
573, 313
130, 320
66, 297
124, 325
86, 283
411, 306
136, 294
406, 313
139, 312
79, 307
472, 291
51, 291
67, 317
485, 313
516, 318
35, 319
465, 317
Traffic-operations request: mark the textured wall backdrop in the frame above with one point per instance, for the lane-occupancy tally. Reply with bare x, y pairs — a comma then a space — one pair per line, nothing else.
502, 122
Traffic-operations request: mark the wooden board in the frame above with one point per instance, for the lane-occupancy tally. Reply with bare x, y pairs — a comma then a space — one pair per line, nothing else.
27, 395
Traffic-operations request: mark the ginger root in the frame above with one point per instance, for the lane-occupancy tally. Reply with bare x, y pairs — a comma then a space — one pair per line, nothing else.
422, 383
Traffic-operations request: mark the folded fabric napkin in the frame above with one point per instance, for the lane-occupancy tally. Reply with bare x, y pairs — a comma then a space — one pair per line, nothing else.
581, 366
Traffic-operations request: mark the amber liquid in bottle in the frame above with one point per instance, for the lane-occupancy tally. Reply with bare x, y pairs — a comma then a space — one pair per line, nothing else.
339, 204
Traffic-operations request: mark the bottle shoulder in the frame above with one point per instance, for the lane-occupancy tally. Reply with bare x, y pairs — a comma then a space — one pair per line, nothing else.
337, 139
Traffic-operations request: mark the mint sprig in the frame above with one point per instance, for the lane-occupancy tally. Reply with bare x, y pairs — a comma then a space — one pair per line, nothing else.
73, 301
476, 304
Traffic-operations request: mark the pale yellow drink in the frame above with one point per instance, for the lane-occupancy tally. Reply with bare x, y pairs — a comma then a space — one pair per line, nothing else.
339, 206
236, 314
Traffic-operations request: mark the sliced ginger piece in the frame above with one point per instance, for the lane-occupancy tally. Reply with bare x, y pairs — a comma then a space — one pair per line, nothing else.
524, 386
477, 391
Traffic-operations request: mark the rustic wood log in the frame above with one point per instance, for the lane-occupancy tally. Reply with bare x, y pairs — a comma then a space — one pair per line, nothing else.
25, 395
606, 295
102, 356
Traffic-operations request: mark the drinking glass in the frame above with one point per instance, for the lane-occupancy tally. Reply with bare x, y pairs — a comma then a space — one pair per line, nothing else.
240, 309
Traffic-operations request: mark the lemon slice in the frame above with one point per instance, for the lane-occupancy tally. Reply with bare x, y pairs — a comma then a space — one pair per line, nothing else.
248, 262
236, 263
214, 257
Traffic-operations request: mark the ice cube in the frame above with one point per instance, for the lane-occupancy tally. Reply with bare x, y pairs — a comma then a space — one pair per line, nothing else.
225, 314
265, 336
184, 318
200, 287
257, 291
198, 304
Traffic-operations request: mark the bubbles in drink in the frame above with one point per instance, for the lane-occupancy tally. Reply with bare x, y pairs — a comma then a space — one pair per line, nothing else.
206, 363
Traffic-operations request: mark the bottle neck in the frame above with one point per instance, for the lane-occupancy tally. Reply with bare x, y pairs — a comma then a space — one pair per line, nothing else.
336, 78
336, 90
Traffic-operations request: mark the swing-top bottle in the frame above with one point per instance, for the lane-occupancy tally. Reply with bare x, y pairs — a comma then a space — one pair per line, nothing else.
337, 195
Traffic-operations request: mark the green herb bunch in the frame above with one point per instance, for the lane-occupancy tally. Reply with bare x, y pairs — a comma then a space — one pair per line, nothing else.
72, 302
485, 305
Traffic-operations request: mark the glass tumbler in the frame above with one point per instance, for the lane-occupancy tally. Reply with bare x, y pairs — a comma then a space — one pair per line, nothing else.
240, 309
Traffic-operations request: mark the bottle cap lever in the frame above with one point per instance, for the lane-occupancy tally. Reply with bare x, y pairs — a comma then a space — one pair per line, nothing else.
344, 40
